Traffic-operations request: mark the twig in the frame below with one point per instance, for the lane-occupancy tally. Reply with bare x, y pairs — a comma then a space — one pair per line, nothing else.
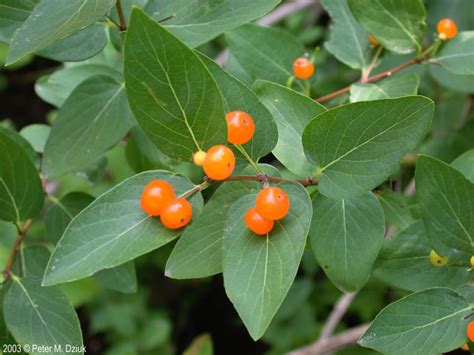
466, 112
371, 79
336, 314
272, 17
366, 72
123, 22
340, 341
13, 250
410, 189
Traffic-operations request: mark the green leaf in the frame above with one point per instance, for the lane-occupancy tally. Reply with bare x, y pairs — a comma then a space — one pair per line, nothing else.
238, 96
12, 14
142, 154
465, 164
404, 263
265, 52
62, 211
357, 146
198, 21
38, 315
348, 40
446, 201
21, 192
173, 95
346, 236
113, 230
457, 54
121, 278
36, 135
198, 252
457, 83
79, 46
49, 22
399, 25
400, 85
57, 87
94, 118
259, 270
395, 209
426, 322
292, 111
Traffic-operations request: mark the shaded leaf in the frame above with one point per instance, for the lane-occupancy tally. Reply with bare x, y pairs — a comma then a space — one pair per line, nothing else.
346, 236
36, 135
259, 270
457, 54
173, 95
113, 230
465, 164
395, 209
455, 82
400, 85
357, 146
121, 278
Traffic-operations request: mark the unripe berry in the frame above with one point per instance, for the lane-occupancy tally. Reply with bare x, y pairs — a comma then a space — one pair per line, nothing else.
257, 223
177, 213
240, 127
472, 262
272, 203
470, 331
199, 157
303, 68
437, 260
373, 40
155, 196
447, 29
219, 162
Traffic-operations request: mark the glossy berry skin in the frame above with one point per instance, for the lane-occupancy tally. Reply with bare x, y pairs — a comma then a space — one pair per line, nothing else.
240, 127
257, 223
303, 68
373, 40
199, 157
155, 196
470, 331
447, 29
437, 260
272, 203
177, 213
219, 162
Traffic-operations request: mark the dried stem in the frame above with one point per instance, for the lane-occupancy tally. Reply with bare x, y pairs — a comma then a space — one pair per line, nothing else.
371, 79
123, 22
336, 315
15, 247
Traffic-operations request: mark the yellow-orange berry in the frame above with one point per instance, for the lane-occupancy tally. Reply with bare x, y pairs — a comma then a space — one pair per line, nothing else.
465, 347
373, 40
470, 331
447, 29
240, 127
219, 162
472, 261
256, 223
303, 68
272, 203
437, 260
177, 213
199, 157
155, 196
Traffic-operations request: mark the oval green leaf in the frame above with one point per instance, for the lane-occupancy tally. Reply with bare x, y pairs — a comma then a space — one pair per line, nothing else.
457, 55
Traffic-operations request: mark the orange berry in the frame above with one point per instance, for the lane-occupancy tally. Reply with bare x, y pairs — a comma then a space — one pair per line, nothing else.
199, 158
373, 40
303, 68
155, 196
447, 29
177, 213
470, 331
219, 162
272, 203
240, 127
257, 223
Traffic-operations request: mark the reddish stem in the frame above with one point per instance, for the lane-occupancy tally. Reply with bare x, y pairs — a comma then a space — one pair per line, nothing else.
13, 250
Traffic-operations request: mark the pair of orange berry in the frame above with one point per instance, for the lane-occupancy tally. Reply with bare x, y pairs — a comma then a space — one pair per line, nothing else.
303, 68
158, 199
272, 204
219, 161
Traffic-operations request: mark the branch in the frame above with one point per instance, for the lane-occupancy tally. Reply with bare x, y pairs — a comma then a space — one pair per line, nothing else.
13, 250
272, 17
336, 314
123, 22
371, 79
340, 341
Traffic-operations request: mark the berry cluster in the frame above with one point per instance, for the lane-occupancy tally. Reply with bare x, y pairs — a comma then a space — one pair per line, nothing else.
158, 199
